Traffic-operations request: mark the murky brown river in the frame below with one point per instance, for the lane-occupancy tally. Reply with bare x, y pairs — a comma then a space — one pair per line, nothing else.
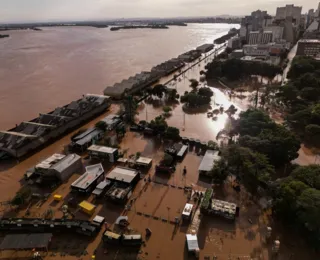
40, 70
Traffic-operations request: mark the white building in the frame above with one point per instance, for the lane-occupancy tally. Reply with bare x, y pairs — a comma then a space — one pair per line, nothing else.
277, 32
289, 11
260, 37
234, 43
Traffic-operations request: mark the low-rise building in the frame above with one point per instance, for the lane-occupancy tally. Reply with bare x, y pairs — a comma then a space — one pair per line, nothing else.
83, 140
205, 47
89, 180
308, 47
103, 152
256, 50
124, 180
236, 54
57, 166
208, 161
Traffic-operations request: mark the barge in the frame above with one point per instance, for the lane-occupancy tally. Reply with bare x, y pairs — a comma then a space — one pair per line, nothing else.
31, 135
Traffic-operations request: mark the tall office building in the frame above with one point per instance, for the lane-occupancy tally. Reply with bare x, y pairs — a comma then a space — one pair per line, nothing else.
289, 11
260, 37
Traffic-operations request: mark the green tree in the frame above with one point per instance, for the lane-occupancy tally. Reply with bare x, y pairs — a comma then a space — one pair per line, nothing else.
172, 133
194, 84
101, 125
167, 110
310, 175
205, 92
167, 160
159, 124
159, 90
219, 172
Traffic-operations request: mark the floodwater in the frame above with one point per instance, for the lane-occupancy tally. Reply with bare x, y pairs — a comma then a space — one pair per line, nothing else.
40, 70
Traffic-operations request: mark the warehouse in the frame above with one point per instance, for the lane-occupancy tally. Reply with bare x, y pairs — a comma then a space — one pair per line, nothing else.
90, 179
26, 242
208, 161
101, 188
124, 176
103, 152
56, 167
82, 141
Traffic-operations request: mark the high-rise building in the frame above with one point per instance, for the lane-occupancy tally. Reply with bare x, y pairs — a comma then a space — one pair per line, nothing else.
277, 32
289, 11
260, 37
253, 22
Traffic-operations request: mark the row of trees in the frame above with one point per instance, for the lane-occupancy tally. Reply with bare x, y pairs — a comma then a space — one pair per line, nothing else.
161, 90
262, 147
301, 96
197, 96
160, 126
235, 69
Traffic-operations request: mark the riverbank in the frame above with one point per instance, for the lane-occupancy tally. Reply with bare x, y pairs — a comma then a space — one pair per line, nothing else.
128, 27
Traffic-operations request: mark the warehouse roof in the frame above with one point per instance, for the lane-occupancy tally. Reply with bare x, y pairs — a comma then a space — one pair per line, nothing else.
122, 174
208, 160
102, 149
92, 173
25, 241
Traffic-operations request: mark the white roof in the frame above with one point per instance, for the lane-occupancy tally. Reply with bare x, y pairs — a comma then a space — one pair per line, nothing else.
47, 163
208, 160
224, 206
98, 219
122, 174
123, 160
192, 242
102, 149
187, 209
92, 173
144, 160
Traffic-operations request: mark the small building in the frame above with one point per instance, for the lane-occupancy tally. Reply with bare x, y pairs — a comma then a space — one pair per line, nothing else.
182, 152
21, 242
88, 181
103, 152
143, 162
192, 244
132, 240
111, 121
234, 43
236, 54
208, 161
57, 166
111, 238
124, 180
308, 47
223, 208
87, 207
187, 212
101, 188
124, 176
82, 141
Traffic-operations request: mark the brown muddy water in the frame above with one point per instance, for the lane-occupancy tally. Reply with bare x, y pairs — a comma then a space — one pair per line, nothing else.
42, 70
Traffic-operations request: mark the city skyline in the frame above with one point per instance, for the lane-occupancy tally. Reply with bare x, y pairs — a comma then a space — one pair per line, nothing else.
58, 10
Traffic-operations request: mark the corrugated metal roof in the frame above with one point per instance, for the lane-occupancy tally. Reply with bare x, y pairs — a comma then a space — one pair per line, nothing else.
208, 160
122, 174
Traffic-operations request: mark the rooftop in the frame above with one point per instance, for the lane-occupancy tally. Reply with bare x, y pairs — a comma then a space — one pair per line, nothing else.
122, 174
92, 173
224, 206
208, 160
144, 160
102, 149
310, 40
86, 136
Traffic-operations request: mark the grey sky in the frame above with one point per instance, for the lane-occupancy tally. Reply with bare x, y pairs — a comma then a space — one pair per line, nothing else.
48, 10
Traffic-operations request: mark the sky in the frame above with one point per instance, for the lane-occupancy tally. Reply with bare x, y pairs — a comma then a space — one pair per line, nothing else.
70, 10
